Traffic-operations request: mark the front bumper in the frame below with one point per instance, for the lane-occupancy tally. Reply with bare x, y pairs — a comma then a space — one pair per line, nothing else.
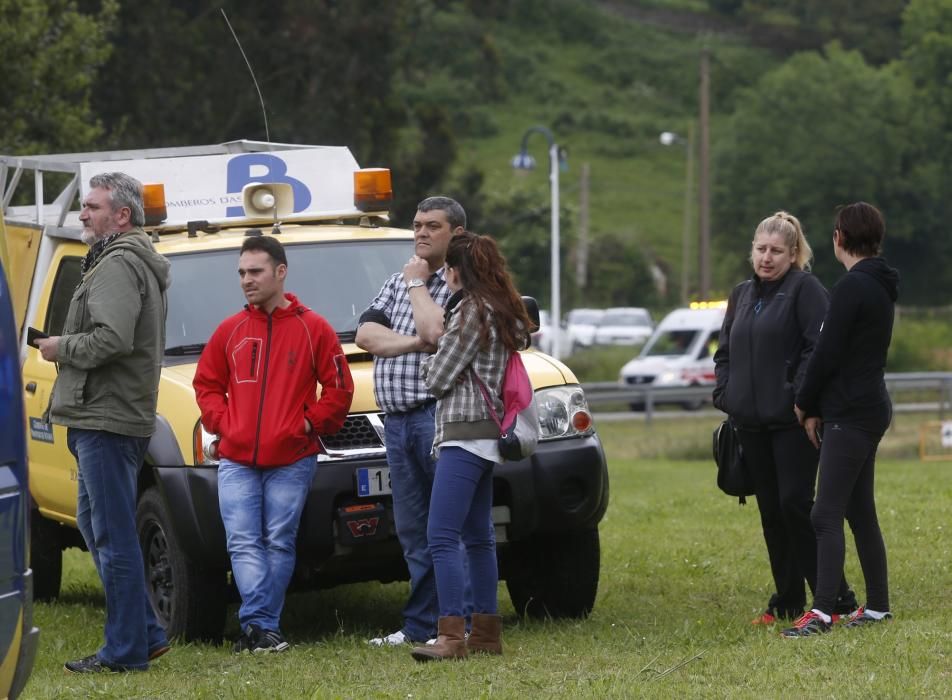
563, 486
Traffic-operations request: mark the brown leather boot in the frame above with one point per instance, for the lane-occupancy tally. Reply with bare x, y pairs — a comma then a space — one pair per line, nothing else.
450, 641
485, 634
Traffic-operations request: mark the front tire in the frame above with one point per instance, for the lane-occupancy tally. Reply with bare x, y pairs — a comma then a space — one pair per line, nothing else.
189, 602
555, 575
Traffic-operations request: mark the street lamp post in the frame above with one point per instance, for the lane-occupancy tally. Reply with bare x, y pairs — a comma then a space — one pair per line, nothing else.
669, 138
523, 161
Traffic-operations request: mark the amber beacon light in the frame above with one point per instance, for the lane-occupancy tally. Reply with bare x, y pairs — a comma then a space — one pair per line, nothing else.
372, 189
153, 196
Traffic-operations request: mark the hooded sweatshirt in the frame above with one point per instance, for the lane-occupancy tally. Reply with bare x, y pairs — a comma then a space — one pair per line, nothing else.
110, 354
257, 381
844, 381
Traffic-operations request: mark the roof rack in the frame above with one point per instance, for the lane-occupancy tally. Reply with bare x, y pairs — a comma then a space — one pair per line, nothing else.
201, 183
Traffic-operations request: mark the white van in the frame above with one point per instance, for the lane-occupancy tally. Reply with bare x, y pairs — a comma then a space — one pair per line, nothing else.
680, 352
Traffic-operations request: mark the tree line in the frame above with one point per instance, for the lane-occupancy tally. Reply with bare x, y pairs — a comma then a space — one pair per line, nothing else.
856, 107
836, 125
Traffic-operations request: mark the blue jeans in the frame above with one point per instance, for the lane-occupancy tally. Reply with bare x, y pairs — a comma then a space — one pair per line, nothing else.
409, 439
106, 514
261, 510
461, 511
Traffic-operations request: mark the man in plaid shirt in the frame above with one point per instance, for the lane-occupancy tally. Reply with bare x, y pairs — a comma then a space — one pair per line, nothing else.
400, 328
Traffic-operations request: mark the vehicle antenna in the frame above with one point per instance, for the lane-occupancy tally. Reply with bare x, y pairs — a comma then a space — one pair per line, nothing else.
264, 111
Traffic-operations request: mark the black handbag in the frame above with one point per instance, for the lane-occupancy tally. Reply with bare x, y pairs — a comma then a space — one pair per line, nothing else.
733, 477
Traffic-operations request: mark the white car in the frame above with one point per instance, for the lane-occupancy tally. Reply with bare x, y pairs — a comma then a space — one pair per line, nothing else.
624, 326
580, 324
543, 339
680, 353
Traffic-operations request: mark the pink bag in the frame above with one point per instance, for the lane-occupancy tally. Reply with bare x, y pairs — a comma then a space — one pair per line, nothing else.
519, 427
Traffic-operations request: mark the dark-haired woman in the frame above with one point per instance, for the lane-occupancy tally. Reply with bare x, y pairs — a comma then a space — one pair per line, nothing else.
486, 322
844, 387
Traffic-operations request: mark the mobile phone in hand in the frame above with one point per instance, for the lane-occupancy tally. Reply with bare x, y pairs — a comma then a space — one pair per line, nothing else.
32, 335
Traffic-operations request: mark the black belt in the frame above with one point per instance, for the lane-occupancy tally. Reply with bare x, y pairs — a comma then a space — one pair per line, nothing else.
425, 404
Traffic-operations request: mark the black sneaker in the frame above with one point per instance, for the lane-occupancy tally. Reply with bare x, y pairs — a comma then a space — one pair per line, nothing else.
808, 625
92, 664
861, 618
247, 640
269, 641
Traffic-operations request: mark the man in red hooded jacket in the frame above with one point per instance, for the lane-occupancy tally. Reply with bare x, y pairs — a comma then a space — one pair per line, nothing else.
256, 385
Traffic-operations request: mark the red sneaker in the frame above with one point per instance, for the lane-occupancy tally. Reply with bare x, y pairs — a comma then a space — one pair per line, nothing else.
765, 618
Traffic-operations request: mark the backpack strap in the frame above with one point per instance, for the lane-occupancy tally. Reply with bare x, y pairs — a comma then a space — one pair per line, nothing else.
489, 403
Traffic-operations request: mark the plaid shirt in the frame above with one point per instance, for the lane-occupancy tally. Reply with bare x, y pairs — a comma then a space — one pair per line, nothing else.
462, 412
397, 384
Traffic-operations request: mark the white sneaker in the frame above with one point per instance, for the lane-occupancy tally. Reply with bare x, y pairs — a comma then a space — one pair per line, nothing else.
395, 640
391, 640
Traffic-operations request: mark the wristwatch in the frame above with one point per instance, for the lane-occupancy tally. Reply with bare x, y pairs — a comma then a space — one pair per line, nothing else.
415, 282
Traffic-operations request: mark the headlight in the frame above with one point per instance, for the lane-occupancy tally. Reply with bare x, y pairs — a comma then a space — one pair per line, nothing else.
669, 378
564, 412
204, 445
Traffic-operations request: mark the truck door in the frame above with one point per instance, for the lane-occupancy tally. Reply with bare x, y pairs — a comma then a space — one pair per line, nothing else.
53, 475
20, 245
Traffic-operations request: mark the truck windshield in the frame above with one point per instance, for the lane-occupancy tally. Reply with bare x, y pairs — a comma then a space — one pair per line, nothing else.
670, 343
337, 280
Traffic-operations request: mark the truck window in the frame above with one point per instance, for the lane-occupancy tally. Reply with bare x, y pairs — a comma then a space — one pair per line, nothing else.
670, 343
67, 279
710, 345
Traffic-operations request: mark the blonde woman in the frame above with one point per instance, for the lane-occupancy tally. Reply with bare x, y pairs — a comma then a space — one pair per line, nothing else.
769, 332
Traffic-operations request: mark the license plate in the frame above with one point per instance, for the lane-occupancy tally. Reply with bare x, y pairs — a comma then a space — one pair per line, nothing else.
373, 481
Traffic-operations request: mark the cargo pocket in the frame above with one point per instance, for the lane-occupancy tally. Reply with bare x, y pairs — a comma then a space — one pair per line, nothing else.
69, 391
74, 389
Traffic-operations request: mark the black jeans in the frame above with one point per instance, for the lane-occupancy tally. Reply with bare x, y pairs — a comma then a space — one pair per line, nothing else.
784, 465
847, 470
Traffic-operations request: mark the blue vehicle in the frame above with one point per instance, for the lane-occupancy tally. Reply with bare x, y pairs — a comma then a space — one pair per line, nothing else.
18, 636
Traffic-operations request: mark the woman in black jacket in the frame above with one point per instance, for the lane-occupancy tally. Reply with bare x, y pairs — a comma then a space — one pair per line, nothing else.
769, 331
844, 385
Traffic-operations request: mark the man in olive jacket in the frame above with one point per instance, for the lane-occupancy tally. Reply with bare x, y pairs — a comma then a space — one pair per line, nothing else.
109, 359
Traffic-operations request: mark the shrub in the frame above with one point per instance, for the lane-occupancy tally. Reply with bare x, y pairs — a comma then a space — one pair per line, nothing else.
920, 346
601, 363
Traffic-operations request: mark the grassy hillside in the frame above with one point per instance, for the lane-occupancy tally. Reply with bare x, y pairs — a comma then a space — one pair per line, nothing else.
607, 88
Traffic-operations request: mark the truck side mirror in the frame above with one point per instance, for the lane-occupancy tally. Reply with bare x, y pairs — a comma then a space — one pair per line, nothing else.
532, 308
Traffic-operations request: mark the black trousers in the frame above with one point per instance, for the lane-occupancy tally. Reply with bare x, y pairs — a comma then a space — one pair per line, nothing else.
784, 465
847, 470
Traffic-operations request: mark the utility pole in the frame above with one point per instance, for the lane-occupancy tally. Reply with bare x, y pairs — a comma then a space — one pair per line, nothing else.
581, 254
704, 178
686, 226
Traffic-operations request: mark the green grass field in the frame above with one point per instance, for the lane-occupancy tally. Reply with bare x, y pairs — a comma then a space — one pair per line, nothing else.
684, 569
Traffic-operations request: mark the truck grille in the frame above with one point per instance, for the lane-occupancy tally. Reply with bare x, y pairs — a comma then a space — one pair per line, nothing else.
361, 436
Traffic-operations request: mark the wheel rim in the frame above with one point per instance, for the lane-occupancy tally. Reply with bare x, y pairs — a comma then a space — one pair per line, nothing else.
158, 571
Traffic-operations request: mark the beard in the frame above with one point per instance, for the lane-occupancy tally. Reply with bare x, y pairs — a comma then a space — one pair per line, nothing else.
90, 237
